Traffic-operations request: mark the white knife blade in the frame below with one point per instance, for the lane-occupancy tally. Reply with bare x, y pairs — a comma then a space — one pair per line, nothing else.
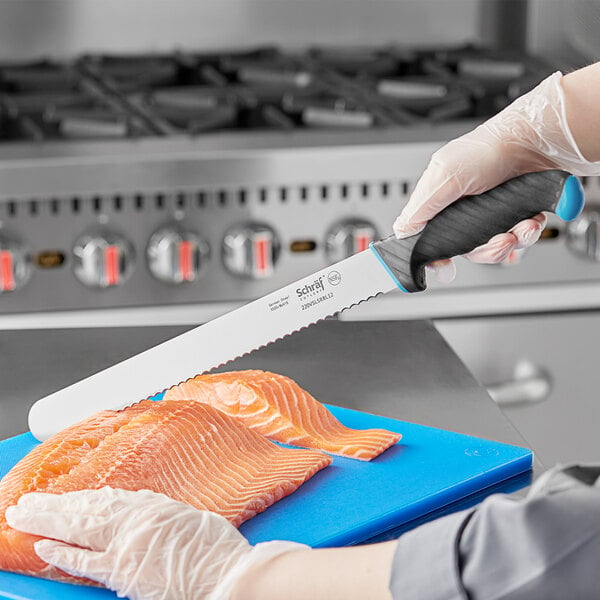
387, 264
217, 342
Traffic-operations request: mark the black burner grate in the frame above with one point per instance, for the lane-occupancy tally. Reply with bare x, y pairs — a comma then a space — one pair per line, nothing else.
100, 97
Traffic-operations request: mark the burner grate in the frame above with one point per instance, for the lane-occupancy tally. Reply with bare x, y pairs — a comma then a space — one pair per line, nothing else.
102, 96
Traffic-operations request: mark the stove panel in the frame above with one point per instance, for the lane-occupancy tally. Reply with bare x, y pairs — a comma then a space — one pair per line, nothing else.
183, 178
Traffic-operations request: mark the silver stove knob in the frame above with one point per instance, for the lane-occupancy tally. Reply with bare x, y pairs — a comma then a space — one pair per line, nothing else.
251, 250
103, 259
175, 255
583, 235
15, 264
349, 237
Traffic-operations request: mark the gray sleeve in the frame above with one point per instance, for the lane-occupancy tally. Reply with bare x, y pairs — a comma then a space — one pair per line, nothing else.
543, 547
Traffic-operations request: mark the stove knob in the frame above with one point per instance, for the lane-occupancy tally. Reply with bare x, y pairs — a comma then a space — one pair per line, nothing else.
583, 235
348, 238
15, 265
251, 250
175, 255
103, 260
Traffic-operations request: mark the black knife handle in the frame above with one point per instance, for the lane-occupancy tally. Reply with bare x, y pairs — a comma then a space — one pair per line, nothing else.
473, 220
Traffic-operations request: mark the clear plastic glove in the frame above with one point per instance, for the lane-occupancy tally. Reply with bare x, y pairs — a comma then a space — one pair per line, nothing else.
142, 545
531, 134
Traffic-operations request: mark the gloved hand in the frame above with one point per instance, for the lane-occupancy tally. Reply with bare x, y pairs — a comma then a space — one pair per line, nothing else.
141, 545
531, 134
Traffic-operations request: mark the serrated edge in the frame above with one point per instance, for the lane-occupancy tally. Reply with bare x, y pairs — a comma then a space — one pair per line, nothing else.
333, 314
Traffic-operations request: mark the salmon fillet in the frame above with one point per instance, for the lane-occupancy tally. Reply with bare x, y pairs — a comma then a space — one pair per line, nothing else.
278, 408
188, 451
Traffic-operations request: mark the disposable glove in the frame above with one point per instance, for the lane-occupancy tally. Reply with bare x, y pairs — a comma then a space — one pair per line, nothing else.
531, 134
142, 545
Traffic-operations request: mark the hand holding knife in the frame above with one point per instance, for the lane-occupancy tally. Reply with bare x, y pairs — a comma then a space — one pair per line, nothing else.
388, 264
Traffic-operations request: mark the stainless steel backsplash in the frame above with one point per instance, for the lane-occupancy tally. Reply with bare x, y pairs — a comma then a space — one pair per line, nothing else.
63, 28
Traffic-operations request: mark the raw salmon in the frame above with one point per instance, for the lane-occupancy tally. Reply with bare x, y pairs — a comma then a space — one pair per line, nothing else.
186, 450
278, 408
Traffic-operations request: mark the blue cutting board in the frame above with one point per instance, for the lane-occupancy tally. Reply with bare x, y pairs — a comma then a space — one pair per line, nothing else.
428, 472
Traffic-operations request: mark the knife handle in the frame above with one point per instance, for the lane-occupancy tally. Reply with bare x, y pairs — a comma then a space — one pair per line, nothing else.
472, 220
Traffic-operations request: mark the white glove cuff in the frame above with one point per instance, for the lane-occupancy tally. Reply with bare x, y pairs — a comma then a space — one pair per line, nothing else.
543, 124
260, 553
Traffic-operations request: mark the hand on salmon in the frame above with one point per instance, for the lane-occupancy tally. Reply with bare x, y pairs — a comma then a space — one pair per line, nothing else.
142, 545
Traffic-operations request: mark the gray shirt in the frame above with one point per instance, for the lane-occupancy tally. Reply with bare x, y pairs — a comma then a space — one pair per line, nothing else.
544, 547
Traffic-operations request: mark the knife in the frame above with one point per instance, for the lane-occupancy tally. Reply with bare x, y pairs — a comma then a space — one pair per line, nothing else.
386, 265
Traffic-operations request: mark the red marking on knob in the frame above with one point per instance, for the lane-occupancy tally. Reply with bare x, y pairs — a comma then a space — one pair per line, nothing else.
7, 277
186, 254
111, 265
261, 245
362, 239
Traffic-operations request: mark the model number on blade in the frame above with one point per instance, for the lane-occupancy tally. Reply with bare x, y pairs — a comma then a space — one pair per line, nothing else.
279, 303
317, 300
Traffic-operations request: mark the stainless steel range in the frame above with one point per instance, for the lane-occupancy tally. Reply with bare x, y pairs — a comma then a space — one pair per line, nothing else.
143, 186
210, 178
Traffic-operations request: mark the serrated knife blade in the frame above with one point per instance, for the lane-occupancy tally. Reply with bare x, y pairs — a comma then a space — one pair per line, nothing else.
386, 265
215, 343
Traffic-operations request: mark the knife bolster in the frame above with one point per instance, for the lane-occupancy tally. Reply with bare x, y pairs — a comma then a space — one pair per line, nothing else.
395, 257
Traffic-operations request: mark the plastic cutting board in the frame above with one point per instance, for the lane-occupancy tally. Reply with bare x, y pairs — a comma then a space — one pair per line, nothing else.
429, 472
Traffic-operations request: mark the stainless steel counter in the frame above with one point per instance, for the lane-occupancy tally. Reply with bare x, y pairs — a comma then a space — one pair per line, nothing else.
399, 369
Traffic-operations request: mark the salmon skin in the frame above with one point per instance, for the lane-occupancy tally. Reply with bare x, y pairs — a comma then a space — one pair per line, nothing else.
278, 408
188, 451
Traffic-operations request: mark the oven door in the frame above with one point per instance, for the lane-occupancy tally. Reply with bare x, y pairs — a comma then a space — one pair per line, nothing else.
544, 371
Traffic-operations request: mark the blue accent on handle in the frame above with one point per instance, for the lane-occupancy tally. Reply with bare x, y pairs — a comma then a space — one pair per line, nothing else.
571, 200
389, 271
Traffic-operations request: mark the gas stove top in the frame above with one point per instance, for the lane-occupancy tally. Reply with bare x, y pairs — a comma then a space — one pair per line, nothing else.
181, 180
115, 97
